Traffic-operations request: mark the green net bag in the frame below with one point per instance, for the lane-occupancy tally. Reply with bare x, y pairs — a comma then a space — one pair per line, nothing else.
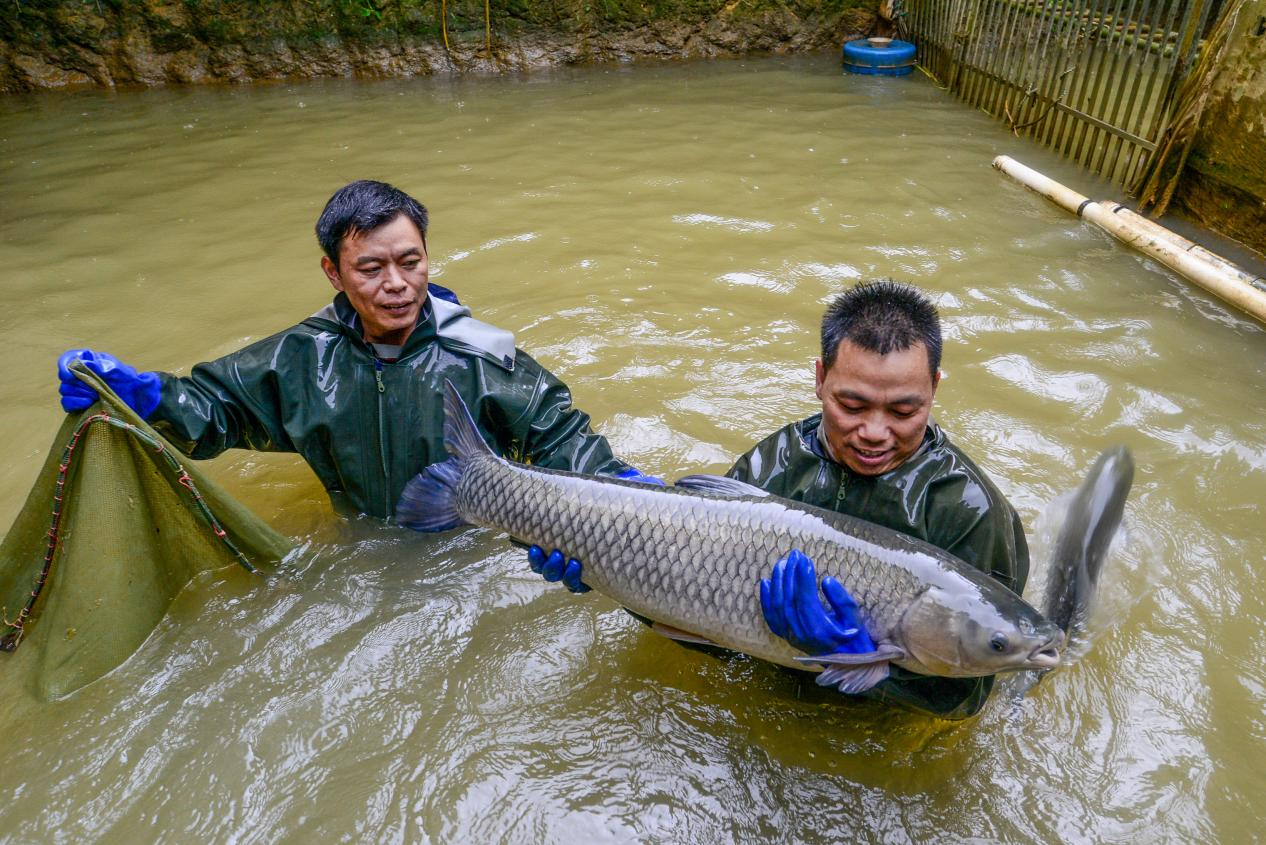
117, 523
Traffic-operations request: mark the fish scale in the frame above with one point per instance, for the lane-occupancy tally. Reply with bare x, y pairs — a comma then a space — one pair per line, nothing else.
632, 553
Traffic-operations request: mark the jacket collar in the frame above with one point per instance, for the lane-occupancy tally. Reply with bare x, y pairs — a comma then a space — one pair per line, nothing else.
448, 321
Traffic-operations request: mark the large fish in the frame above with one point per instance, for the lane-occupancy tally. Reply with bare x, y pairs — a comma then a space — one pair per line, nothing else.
690, 558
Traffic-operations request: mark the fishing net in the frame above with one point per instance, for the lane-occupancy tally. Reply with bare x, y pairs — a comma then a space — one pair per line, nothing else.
117, 523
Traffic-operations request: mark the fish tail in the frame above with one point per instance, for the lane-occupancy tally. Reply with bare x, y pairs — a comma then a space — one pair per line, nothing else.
429, 500
1094, 515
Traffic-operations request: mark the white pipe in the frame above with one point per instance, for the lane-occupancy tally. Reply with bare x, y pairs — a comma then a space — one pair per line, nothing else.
1195, 249
1230, 285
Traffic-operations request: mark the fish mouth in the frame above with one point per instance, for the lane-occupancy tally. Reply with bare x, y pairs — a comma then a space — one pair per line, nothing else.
1046, 655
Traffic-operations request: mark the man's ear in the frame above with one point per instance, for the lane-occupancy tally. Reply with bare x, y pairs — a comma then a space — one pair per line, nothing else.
819, 376
331, 273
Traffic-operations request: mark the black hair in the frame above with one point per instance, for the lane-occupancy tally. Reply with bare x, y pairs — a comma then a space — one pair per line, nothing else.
363, 206
882, 316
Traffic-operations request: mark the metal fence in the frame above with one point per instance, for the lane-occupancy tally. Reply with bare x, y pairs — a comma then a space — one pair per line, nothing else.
1092, 79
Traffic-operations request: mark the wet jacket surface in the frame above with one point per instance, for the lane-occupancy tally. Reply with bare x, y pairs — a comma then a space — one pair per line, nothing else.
365, 425
938, 495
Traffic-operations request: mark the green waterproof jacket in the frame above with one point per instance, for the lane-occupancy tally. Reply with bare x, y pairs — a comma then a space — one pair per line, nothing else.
938, 495
366, 425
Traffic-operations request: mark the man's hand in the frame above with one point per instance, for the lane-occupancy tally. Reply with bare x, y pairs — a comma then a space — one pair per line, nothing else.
557, 567
793, 610
634, 474
140, 391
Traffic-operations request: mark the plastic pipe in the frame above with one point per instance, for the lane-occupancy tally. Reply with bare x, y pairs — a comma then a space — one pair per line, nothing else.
1228, 267
1234, 286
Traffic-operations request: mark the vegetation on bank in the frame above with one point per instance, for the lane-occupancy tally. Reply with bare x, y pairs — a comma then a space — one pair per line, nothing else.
45, 43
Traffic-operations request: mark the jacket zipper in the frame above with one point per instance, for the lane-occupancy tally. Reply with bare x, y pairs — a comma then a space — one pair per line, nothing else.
378, 376
382, 437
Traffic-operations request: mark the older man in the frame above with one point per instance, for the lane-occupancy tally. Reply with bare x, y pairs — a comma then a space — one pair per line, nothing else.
356, 388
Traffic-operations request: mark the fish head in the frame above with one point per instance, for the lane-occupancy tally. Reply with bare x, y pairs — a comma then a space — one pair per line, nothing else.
953, 634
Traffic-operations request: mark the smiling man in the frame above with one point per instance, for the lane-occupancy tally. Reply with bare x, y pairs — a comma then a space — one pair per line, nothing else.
874, 453
356, 388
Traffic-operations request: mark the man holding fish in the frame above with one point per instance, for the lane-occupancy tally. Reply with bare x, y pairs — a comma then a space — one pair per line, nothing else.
356, 388
874, 453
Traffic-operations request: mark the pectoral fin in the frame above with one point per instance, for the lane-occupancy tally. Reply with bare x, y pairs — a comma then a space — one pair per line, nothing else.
719, 485
855, 673
678, 634
855, 680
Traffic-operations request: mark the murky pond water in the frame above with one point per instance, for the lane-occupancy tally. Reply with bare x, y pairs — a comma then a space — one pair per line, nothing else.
664, 239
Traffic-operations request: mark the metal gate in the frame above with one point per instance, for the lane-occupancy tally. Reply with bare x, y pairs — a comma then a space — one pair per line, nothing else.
1093, 79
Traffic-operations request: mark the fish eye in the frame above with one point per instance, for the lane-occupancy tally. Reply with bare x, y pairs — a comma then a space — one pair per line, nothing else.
998, 642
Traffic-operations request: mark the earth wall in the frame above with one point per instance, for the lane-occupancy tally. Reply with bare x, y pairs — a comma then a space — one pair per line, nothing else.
106, 43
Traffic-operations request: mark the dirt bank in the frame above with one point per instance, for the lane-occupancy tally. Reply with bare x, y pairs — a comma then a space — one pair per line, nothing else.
71, 43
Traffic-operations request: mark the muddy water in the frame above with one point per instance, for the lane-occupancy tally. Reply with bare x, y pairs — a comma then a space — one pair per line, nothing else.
664, 238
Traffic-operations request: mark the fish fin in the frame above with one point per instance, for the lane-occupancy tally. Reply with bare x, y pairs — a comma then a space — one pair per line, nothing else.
461, 436
428, 502
882, 653
718, 485
855, 673
678, 634
855, 679
1093, 516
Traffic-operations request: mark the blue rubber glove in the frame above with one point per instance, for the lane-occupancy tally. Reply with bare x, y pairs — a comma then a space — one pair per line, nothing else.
634, 474
139, 390
555, 566
793, 610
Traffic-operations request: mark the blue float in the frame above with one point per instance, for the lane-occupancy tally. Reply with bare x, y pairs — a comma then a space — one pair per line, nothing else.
866, 56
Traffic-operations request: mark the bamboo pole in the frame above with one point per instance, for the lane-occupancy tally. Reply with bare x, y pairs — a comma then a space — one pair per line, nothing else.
1131, 67
1213, 277
1143, 125
1071, 127
978, 52
1046, 84
1008, 47
1079, 53
1043, 32
1115, 84
1092, 103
